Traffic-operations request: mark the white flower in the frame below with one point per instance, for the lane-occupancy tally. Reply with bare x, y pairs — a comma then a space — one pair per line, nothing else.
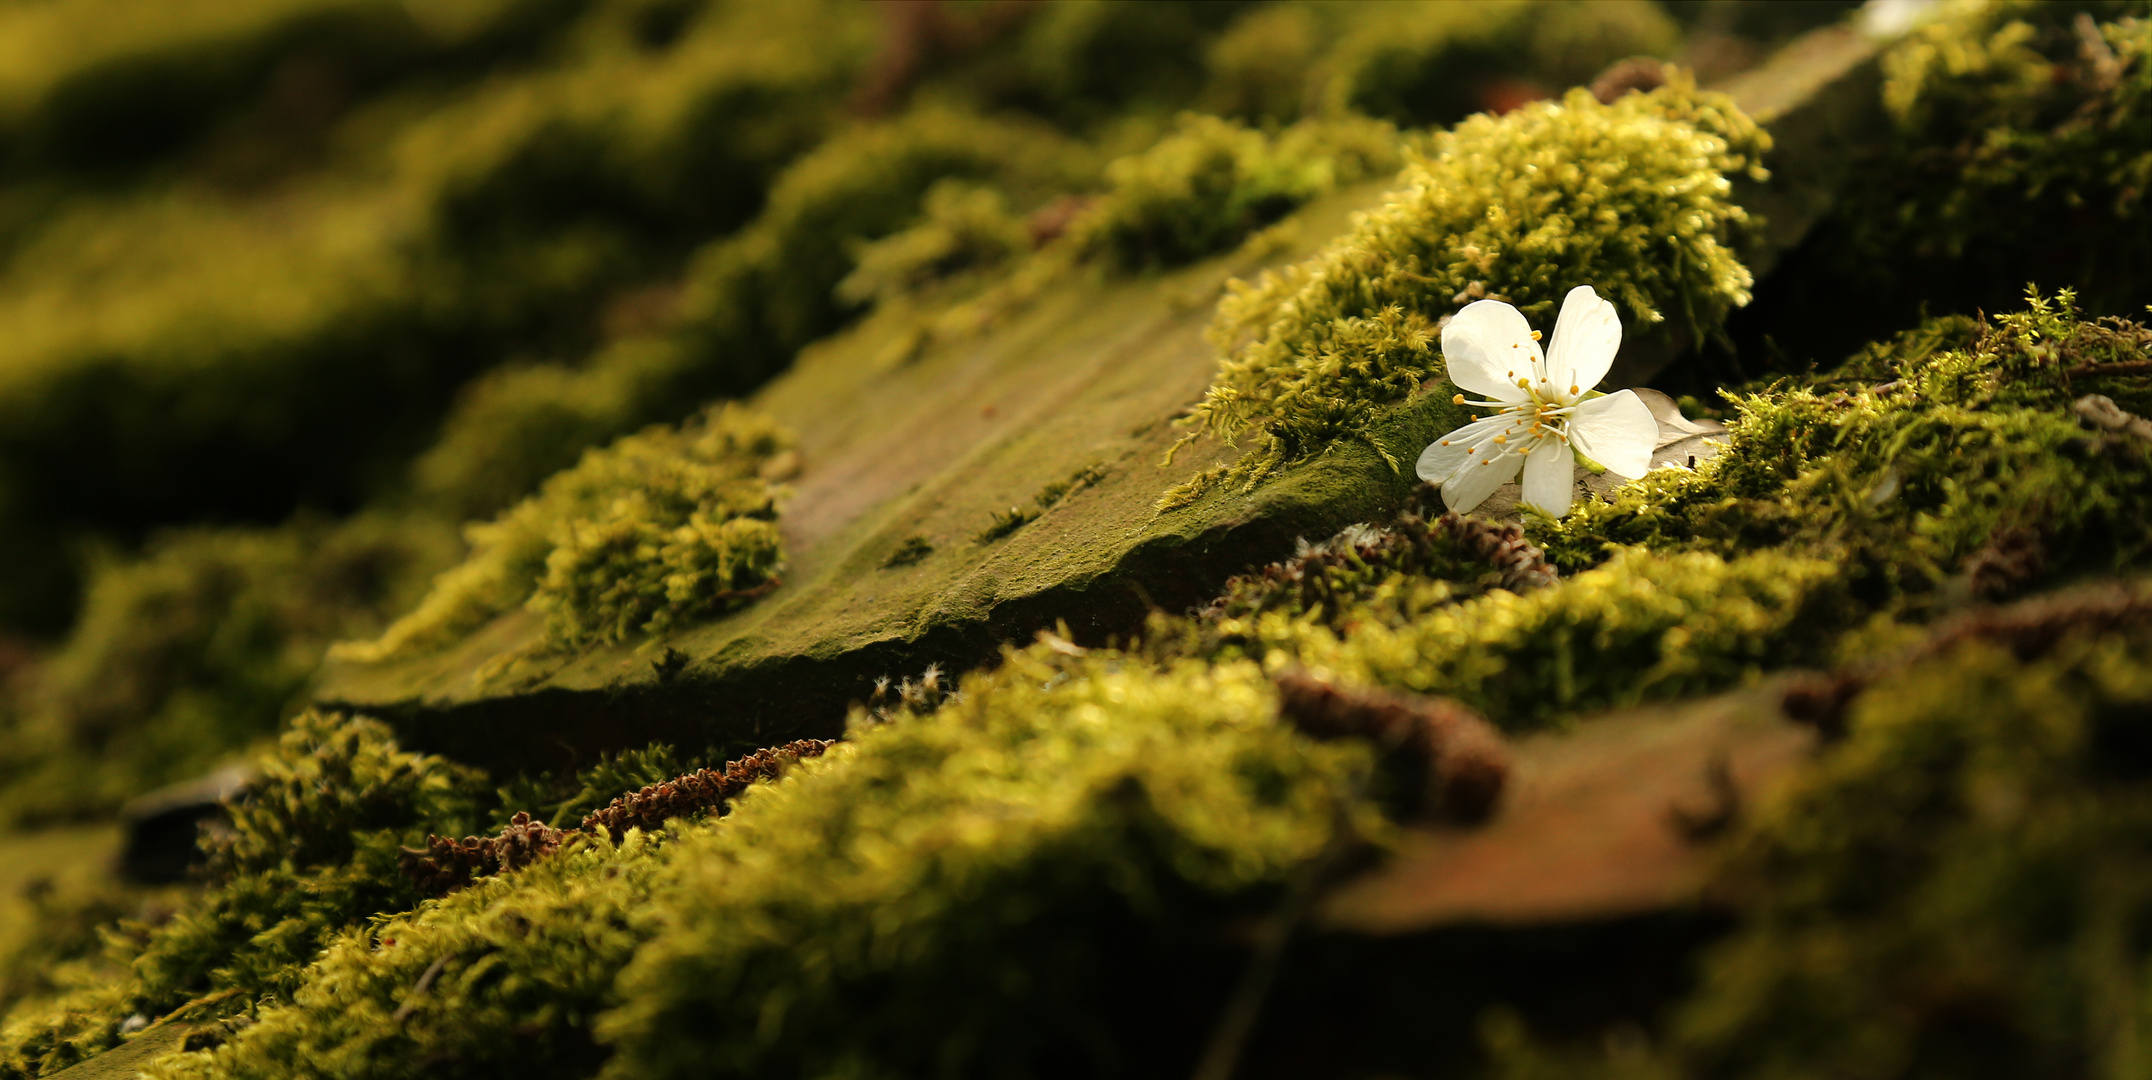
1545, 412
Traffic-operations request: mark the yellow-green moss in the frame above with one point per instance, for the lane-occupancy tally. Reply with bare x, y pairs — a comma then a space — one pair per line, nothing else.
1954, 889
503, 977
312, 850
2009, 106
1416, 62
1042, 836
1911, 458
196, 649
1631, 198
666, 525
1210, 182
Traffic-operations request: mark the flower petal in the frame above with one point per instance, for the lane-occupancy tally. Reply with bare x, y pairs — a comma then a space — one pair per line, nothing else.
1550, 472
1486, 341
1586, 337
1470, 485
1437, 462
1617, 431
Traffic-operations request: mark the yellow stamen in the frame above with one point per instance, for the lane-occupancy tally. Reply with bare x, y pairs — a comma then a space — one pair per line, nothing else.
1535, 335
1524, 384
1573, 388
1458, 400
1501, 438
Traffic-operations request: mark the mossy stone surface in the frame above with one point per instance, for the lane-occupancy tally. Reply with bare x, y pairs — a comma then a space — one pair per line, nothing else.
901, 442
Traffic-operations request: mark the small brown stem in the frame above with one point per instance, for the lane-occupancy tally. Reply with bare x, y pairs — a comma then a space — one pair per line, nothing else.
2123, 367
425, 983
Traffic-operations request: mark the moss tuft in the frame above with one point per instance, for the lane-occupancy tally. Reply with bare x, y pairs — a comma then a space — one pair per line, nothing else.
657, 528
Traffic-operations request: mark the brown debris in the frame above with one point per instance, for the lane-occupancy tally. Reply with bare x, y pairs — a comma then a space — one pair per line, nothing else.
1462, 762
2013, 557
1410, 543
445, 864
2029, 629
701, 791
1634, 75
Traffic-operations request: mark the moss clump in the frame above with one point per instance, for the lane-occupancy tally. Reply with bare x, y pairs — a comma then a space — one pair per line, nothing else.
312, 850
1353, 574
1642, 627
1210, 182
965, 228
501, 978
659, 527
1912, 459
198, 648
2017, 115
1050, 835
751, 300
1632, 198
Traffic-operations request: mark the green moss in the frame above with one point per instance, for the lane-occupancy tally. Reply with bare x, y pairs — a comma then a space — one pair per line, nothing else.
502, 977
197, 649
1951, 890
1420, 63
2012, 113
1044, 836
1004, 523
1434, 63
1911, 459
1642, 627
666, 525
1631, 198
753, 299
1210, 182
312, 850
965, 227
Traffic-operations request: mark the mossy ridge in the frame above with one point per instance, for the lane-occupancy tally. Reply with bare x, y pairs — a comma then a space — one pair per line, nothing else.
1975, 834
667, 524
1911, 458
1632, 198
1131, 802
1124, 802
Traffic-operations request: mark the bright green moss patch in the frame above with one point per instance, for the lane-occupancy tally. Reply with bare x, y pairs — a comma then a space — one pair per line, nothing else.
1069, 832
1913, 459
1631, 198
659, 527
